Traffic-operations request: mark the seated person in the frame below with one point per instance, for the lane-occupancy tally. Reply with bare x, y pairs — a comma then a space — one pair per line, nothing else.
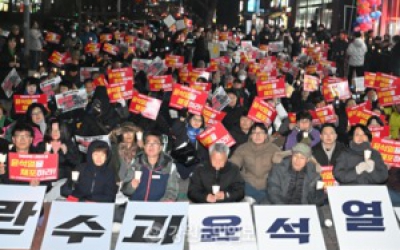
303, 131
295, 180
96, 180
218, 181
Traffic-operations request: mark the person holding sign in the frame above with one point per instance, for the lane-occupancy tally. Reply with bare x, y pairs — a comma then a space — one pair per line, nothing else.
295, 180
219, 181
360, 164
303, 132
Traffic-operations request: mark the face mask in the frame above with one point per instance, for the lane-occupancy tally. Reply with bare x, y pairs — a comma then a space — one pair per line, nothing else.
242, 77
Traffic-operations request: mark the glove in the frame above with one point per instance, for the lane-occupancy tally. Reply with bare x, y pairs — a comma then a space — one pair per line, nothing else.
361, 167
370, 165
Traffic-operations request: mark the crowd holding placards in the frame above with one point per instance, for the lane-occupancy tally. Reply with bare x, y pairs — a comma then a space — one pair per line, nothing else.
257, 116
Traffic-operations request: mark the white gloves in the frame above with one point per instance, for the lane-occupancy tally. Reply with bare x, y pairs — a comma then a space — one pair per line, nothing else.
367, 166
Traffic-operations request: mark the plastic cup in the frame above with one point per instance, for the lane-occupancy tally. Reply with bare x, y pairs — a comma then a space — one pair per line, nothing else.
215, 189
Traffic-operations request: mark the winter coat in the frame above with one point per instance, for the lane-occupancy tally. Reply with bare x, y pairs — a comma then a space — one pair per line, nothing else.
232, 117
321, 157
356, 52
255, 162
291, 140
228, 178
345, 169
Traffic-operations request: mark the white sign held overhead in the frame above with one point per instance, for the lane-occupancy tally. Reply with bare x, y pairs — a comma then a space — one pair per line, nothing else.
364, 218
153, 225
180, 25
75, 225
288, 227
19, 213
169, 21
221, 226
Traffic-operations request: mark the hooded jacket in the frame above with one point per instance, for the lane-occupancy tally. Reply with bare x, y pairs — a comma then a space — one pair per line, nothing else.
356, 52
96, 183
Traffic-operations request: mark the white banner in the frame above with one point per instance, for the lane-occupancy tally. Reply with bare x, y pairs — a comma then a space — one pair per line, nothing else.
19, 213
49, 86
364, 218
86, 73
11, 81
71, 100
75, 225
220, 99
84, 141
288, 227
152, 226
221, 226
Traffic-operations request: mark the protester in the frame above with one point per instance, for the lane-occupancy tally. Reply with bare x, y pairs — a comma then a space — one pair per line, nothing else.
303, 132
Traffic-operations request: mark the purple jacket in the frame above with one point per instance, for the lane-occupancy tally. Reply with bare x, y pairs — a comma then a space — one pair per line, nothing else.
292, 138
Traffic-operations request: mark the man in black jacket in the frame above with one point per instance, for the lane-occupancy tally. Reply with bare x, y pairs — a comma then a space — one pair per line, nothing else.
218, 181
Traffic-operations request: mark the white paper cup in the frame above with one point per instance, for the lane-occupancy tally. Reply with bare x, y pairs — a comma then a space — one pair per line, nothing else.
367, 154
138, 175
305, 134
320, 185
215, 189
3, 158
139, 135
48, 147
75, 175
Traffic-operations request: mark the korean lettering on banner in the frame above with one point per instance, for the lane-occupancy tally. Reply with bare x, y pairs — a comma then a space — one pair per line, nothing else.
369, 79
339, 89
389, 149
212, 116
146, 106
120, 84
288, 227
11, 81
86, 73
71, 100
220, 99
28, 167
216, 133
265, 75
273, 88
100, 81
158, 83
52, 37
363, 215
221, 226
380, 132
92, 48
19, 214
105, 38
83, 225
261, 111
110, 49
311, 83
22, 102
389, 96
49, 86
352, 112
292, 117
327, 176
384, 80
58, 58
315, 120
84, 141
326, 114
173, 61
201, 86
196, 73
185, 97
153, 225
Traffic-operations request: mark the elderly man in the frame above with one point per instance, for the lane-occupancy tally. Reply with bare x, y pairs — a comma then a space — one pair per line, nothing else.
295, 180
218, 181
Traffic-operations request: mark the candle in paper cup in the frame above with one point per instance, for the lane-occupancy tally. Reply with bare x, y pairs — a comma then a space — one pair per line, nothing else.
139, 135
75, 175
3, 158
138, 175
48, 147
320, 185
367, 154
215, 189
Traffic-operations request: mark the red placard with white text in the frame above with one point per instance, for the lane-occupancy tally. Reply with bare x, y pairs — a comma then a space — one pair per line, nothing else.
339, 89
146, 106
311, 83
380, 132
326, 114
173, 61
261, 111
216, 134
389, 96
52, 37
157, 83
186, 97
201, 86
389, 149
22, 102
110, 49
273, 88
369, 79
384, 80
105, 38
58, 58
92, 48
28, 167
212, 116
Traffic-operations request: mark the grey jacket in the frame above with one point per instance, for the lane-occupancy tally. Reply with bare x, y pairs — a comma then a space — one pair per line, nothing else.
356, 52
36, 40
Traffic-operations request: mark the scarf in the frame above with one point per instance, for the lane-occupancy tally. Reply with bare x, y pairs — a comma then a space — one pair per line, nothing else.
192, 133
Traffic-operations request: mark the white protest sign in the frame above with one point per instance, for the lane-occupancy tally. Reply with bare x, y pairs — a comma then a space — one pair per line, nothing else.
152, 226
220, 99
86, 73
276, 46
180, 25
364, 218
19, 214
76, 225
11, 81
84, 141
359, 83
221, 226
71, 100
169, 21
288, 227
49, 86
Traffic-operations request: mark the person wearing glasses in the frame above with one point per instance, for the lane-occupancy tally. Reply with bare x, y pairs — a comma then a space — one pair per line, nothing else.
254, 158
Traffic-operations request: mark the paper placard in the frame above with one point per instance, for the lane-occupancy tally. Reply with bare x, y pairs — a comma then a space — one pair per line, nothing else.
84, 141
146, 106
11, 81
71, 100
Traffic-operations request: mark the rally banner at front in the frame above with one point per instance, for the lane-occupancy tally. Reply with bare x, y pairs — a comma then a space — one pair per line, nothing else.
28, 167
146, 106
185, 97
363, 218
79, 225
288, 227
20, 211
71, 100
261, 111
216, 133
22, 102
221, 226
389, 150
272, 88
153, 226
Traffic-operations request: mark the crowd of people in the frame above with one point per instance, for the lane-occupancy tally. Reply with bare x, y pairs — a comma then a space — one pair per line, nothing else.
271, 163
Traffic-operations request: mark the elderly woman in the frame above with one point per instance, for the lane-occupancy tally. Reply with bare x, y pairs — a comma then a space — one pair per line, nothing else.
254, 158
360, 164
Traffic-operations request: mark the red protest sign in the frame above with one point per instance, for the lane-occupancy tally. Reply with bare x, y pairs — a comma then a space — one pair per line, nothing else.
92, 48
105, 38
146, 106
224, 36
130, 39
338, 89
100, 81
389, 150
28, 167
157, 83
201, 86
124, 75
273, 88
173, 61
212, 116
216, 134
58, 58
22, 102
315, 119
254, 68
369, 79
380, 132
352, 112
326, 114
110, 49
119, 91
384, 80
52, 37
185, 97
196, 73
389, 96
184, 72
311, 83
292, 117
262, 112
327, 176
